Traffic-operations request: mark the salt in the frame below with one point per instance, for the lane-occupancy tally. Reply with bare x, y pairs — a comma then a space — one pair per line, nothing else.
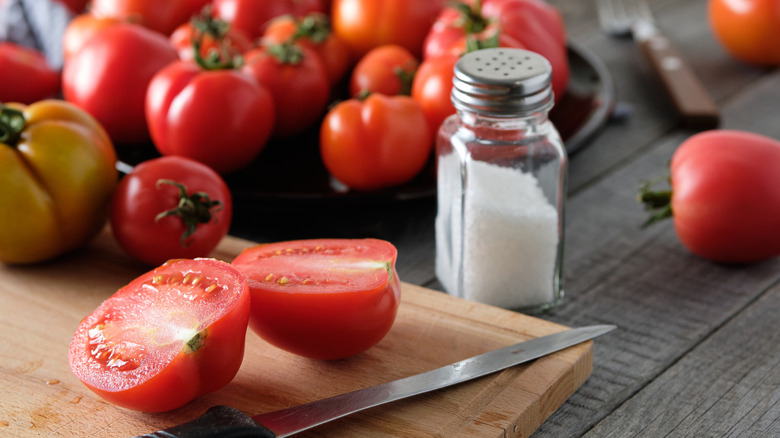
509, 233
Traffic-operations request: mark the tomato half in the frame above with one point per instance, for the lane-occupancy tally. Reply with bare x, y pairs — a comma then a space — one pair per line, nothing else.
725, 197
322, 298
169, 336
170, 207
748, 29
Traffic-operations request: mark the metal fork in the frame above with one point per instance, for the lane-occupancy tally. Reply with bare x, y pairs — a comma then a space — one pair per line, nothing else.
621, 18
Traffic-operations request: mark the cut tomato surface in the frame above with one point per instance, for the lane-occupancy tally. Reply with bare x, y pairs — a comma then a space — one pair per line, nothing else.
322, 298
172, 334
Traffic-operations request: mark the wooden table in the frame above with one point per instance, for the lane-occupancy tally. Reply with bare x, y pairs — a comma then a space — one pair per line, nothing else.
697, 351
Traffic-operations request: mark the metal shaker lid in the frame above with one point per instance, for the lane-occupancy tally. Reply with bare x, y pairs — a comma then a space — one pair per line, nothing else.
502, 82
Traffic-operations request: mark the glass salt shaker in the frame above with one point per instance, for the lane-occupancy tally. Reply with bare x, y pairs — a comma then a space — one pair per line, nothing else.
501, 184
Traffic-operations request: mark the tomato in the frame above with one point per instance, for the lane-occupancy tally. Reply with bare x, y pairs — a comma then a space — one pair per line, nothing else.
190, 110
109, 75
526, 24
297, 79
365, 24
748, 29
169, 336
362, 146
322, 298
312, 31
161, 16
25, 76
170, 207
75, 6
387, 69
57, 174
431, 88
214, 33
725, 199
252, 16
81, 28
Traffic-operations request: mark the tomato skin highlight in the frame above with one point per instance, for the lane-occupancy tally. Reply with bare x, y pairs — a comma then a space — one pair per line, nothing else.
322, 298
164, 376
726, 196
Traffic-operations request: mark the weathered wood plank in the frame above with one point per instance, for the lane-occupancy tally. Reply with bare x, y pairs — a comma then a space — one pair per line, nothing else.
726, 386
665, 299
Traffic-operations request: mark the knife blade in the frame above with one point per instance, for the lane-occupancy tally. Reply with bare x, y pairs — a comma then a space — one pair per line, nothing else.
224, 421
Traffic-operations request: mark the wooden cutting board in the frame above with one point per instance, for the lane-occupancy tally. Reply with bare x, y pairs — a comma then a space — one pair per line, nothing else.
41, 306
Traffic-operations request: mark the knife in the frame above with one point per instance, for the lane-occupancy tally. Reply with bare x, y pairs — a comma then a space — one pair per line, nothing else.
224, 421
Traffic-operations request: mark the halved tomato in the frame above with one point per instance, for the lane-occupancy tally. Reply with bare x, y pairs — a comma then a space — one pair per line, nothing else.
172, 334
322, 298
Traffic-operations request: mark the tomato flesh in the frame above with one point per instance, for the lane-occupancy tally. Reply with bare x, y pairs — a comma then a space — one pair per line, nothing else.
171, 335
322, 298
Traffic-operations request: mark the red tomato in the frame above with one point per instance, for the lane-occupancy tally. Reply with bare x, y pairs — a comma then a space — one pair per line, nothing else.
526, 24
312, 31
108, 78
81, 28
365, 24
432, 87
169, 336
297, 79
75, 6
219, 36
170, 207
362, 146
25, 75
161, 16
322, 298
252, 16
725, 197
748, 29
387, 69
190, 110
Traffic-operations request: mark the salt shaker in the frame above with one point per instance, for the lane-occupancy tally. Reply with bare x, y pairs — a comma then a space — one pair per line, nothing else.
501, 184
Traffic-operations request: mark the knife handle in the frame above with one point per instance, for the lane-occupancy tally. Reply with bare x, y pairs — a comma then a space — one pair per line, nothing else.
218, 421
696, 107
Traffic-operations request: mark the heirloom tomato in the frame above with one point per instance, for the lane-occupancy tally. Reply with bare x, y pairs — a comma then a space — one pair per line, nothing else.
191, 107
387, 69
81, 28
25, 76
296, 78
312, 31
57, 173
363, 145
109, 75
169, 336
161, 16
431, 88
725, 196
252, 16
533, 25
748, 29
322, 298
170, 207
365, 24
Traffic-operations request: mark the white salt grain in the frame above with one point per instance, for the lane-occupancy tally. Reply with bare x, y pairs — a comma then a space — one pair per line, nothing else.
509, 231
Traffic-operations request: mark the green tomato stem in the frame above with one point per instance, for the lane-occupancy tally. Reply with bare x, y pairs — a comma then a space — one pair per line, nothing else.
12, 123
659, 203
194, 209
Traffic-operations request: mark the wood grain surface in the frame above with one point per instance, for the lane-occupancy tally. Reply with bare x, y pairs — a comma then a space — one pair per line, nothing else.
40, 307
